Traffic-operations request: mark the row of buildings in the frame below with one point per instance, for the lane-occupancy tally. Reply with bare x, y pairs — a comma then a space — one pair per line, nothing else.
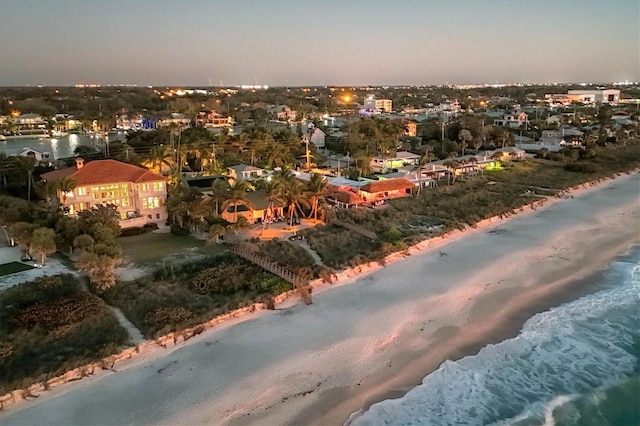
140, 194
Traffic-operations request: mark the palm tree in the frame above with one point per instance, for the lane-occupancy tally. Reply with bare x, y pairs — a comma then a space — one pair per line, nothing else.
158, 157
65, 186
316, 188
215, 230
363, 163
219, 193
294, 197
452, 165
236, 196
240, 224
464, 137
241, 142
273, 190
426, 158
505, 137
28, 164
275, 155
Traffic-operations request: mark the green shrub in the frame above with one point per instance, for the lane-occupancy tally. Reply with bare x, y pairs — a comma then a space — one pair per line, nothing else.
179, 296
582, 168
50, 326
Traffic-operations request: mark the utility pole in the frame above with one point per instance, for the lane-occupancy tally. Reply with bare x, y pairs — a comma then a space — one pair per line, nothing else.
310, 129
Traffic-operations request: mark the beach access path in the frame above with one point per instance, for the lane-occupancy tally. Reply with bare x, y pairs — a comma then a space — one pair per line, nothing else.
362, 342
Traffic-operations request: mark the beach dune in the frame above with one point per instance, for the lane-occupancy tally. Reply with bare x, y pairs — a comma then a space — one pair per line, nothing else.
369, 340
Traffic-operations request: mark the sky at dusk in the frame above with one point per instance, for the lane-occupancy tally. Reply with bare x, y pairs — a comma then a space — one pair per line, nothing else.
321, 42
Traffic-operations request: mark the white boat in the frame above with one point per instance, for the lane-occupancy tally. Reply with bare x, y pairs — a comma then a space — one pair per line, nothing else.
2, 138
59, 133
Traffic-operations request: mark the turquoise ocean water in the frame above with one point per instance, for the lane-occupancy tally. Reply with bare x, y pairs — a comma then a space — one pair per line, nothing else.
576, 364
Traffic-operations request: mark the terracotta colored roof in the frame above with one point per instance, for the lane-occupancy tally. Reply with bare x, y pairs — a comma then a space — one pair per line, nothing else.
347, 197
387, 185
102, 172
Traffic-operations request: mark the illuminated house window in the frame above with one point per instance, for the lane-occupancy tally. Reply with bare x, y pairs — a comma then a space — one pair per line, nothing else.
124, 202
144, 187
157, 186
151, 202
82, 191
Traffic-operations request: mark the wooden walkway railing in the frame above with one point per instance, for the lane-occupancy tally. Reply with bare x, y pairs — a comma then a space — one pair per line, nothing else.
299, 283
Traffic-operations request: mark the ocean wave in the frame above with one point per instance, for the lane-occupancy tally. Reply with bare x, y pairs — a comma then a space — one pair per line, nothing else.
558, 355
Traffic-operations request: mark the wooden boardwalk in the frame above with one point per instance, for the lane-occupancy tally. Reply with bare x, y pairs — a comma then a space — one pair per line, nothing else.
299, 283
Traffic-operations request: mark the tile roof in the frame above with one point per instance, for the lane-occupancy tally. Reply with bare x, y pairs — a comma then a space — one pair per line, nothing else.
387, 185
104, 171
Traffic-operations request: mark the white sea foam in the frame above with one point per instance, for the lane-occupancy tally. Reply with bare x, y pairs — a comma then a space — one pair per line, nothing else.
561, 353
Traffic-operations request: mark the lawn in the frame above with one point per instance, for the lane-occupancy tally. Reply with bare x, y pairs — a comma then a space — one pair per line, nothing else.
13, 268
148, 249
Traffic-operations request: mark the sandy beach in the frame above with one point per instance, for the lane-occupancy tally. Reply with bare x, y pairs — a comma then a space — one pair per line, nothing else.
369, 340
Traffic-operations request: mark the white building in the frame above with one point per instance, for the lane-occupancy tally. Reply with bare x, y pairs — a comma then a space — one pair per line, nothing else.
36, 155
605, 96
283, 113
378, 104
401, 159
513, 120
244, 172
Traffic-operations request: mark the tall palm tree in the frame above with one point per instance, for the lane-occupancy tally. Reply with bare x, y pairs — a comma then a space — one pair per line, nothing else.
427, 158
452, 165
316, 188
28, 165
275, 155
219, 192
158, 157
236, 196
273, 190
294, 197
505, 137
65, 185
464, 137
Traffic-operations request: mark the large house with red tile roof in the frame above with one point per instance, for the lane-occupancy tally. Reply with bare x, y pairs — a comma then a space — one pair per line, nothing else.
138, 193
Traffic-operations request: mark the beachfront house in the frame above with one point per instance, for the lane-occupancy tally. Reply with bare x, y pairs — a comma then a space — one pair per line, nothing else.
386, 189
282, 113
510, 153
513, 120
213, 119
256, 208
39, 157
138, 193
400, 159
244, 172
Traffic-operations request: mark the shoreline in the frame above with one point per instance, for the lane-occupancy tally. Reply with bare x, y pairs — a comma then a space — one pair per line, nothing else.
391, 380
506, 324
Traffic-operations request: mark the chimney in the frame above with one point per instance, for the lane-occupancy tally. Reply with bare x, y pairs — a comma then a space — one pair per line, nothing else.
79, 163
